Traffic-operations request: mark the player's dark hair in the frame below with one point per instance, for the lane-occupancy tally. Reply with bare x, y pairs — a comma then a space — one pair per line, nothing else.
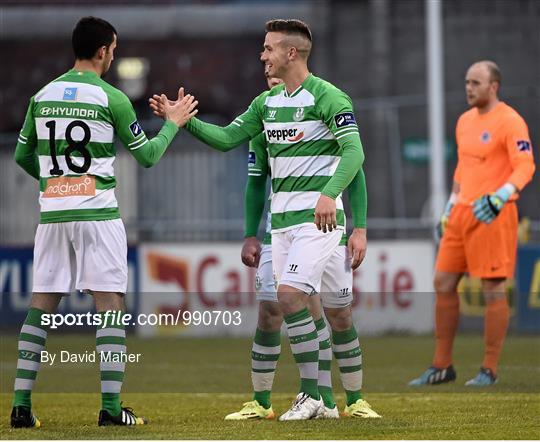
89, 34
291, 27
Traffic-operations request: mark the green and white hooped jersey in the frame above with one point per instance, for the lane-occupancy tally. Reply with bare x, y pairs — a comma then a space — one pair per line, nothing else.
302, 130
72, 123
258, 165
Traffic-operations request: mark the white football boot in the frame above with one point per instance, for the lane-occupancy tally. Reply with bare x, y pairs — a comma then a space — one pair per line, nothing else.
304, 407
328, 413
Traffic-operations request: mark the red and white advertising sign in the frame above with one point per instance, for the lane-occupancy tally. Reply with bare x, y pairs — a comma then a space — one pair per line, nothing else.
392, 289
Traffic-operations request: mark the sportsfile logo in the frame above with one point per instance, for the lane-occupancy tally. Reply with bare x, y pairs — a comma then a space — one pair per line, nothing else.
284, 135
70, 186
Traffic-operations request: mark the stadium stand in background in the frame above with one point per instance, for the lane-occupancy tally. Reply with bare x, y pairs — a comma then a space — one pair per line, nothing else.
374, 50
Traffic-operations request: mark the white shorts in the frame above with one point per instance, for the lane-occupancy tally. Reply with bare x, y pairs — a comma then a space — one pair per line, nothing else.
300, 256
337, 280
265, 278
336, 283
85, 255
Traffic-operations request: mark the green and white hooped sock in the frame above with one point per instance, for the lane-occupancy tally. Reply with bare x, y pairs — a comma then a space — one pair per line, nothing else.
264, 356
325, 364
305, 348
111, 340
348, 355
32, 341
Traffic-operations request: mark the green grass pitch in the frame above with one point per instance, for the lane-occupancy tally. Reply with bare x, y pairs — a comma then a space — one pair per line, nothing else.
185, 387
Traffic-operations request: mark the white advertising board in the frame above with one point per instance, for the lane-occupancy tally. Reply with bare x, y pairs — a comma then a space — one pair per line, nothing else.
392, 289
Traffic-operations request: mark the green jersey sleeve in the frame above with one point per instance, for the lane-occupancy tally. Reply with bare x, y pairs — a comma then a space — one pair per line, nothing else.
258, 157
243, 128
337, 113
25, 151
358, 199
146, 152
254, 197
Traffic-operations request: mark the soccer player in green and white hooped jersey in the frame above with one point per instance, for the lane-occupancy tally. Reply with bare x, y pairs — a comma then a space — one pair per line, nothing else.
336, 296
315, 152
66, 143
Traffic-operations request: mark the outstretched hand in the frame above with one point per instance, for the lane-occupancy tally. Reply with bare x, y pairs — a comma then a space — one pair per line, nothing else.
157, 102
179, 111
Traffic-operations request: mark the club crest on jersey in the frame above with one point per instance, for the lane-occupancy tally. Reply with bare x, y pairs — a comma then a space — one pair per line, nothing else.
271, 114
252, 158
299, 114
344, 119
485, 137
258, 282
524, 146
70, 94
135, 128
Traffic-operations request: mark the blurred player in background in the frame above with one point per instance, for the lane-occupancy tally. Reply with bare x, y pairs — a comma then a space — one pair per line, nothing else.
315, 152
336, 292
66, 144
480, 221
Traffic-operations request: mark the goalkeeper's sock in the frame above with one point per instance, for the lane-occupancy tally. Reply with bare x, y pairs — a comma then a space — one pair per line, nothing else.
446, 324
348, 355
325, 363
264, 356
31, 343
111, 337
305, 349
496, 321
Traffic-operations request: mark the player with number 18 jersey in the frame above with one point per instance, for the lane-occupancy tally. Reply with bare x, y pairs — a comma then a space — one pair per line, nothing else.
71, 124
67, 143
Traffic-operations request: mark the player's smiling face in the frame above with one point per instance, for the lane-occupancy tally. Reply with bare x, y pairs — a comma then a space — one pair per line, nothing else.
274, 55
